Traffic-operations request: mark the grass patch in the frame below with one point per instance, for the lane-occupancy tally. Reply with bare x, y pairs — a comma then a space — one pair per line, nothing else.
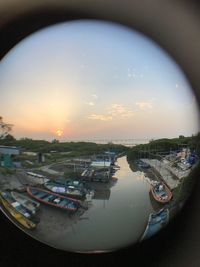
6, 171
183, 191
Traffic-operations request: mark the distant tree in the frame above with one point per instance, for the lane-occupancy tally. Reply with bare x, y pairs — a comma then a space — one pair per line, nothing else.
181, 136
9, 137
25, 139
195, 143
55, 141
8, 140
5, 128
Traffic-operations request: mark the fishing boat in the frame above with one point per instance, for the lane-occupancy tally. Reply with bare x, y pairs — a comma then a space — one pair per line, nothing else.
76, 183
155, 223
15, 204
161, 192
54, 199
31, 205
11, 210
68, 190
142, 164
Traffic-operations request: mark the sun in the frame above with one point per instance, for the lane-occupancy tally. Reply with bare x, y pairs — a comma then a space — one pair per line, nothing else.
59, 132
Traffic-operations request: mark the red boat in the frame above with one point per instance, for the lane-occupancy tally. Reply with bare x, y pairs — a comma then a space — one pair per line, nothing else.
161, 192
53, 199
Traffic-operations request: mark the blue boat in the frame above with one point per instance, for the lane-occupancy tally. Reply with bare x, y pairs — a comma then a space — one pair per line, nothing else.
142, 164
53, 199
155, 223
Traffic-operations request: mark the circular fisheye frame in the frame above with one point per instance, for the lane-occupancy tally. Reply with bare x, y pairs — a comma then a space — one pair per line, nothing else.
99, 136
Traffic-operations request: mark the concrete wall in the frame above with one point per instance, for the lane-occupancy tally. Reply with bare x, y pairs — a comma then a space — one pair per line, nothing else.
10, 150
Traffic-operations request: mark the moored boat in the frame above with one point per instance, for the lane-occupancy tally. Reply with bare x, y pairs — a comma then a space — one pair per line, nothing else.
9, 209
78, 184
15, 204
155, 223
68, 190
161, 192
31, 205
54, 199
142, 164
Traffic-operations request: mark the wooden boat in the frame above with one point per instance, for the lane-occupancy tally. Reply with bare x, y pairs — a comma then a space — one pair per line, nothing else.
68, 190
161, 192
15, 204
31, 205
155, 223
78, 184
21, 219
54, 199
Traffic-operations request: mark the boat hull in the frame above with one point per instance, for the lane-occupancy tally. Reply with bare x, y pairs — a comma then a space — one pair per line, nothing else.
15, 204
16, 215
158, 197
75, 193
155, 223
28, 203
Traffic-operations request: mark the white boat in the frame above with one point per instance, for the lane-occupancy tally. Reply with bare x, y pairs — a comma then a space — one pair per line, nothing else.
155, 223
28, 203
70, 190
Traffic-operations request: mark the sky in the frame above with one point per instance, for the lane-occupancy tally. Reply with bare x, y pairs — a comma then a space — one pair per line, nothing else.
90, 79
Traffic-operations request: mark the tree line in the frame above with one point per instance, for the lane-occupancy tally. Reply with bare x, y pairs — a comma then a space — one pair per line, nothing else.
165, 145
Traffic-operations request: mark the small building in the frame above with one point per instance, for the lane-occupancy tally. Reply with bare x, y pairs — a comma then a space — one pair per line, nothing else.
9, 150
29, 153
100, 164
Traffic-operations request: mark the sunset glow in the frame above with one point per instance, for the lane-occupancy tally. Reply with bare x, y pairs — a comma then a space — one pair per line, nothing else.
97, 80
59, 133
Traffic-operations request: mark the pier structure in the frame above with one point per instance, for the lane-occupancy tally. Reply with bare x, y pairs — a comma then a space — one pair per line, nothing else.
169, 178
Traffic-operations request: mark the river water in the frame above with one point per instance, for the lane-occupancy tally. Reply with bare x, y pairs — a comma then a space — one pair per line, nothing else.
116, 221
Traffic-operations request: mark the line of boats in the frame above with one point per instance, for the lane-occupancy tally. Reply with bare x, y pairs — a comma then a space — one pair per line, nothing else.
157, 220
66, 196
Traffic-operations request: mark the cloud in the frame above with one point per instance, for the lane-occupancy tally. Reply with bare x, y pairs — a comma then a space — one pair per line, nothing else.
113, 112
100, 117
120, 110
94, 96
144, 105
91, 100
89, 103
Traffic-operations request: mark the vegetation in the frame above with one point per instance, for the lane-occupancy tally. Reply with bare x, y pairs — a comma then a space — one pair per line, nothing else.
77, 148
183, 191
6, 171
164, 145
5, 128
